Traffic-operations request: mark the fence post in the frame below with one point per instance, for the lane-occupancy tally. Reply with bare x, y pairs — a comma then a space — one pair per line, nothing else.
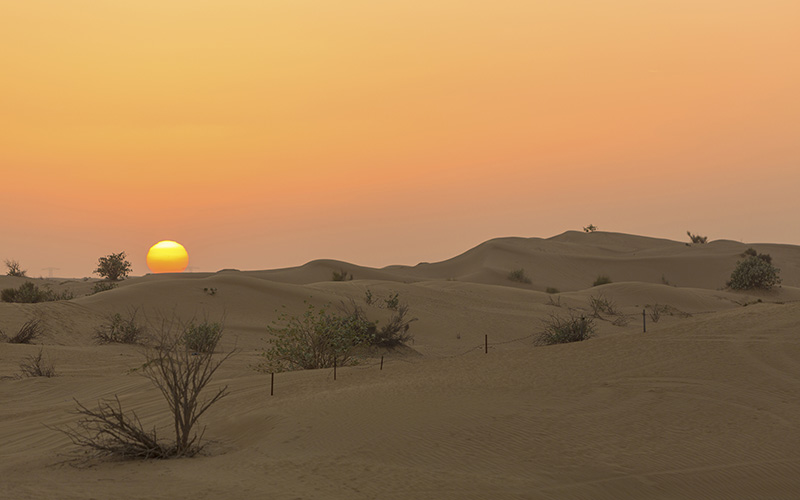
486, 344
334, 368
381, 362
644, 322
272, 385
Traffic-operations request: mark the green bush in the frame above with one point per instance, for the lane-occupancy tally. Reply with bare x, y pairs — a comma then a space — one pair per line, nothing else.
113, 267
202, 337
317, 339
754, 272
28, 293
519, 276
601, 280
560, 330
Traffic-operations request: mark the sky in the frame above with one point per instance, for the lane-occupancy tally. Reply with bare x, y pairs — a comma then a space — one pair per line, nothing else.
267, 133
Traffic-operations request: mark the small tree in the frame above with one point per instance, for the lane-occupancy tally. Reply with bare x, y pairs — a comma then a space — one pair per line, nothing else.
113, 267
14, 269
696, 238
181, 375
754, 272
590, 228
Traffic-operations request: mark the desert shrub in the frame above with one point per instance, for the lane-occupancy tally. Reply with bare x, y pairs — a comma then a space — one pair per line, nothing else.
519, 276
550, 289
317, 339
558, 330
28, 293
181, 376
396, 330
602, 305
37, 366
754, 272
113, 267
14, 269
656, 311
590, 228
601, 280
341, 275
203, 336
120, 330
554, 303
696, 238
210, 291
28, 332
103, 286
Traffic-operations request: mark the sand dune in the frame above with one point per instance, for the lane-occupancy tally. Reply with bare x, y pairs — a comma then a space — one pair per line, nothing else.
703, 405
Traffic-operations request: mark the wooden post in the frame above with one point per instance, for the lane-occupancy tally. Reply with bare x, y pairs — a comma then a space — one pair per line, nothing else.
486, 344
334, 368
272, 385
381, 362
644, 322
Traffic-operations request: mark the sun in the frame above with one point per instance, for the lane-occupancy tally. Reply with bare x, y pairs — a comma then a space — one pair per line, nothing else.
167, 257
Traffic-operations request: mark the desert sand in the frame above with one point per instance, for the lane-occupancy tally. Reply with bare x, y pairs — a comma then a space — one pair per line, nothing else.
703, 405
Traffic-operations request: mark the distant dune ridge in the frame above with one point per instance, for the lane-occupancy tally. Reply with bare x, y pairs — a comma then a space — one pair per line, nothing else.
702, 405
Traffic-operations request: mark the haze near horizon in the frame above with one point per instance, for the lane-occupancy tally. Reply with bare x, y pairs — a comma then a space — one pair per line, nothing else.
264, 135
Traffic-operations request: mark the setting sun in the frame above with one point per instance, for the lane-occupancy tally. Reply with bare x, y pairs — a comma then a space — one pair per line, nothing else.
167, 257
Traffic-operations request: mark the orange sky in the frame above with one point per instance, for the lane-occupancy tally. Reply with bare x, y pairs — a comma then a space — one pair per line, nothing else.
263, 134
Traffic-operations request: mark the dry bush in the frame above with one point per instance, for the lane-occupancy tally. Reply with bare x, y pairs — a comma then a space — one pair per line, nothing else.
119, 330
37, 366
180, 375
28, 332
656, 311
554, 303
341, 275
29, 293
15, 269
696, 238
558, 330
600, 304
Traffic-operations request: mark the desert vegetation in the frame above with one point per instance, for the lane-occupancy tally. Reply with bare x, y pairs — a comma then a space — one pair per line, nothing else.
27, 333
121, 330
602, 279
590, 228
519, 276
324, 337
113, 267
36, 365
341, 275
103, 286
562, 330
28, 293
14, 269
696, 238
202, 336
754, 272
181, 375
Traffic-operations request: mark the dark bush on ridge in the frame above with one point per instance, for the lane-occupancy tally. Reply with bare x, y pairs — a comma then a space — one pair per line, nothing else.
28, 293
754, 272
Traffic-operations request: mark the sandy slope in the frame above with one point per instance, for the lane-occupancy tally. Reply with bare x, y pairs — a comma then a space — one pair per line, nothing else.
703, 405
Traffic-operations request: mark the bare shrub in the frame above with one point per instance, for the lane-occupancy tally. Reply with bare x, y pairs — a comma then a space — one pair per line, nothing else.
600, 304
558, 330
656, 310
554, 303
519, 276
14, 269
37, 366
181, 376
696, 238
590, 228
119, 330
28, 332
